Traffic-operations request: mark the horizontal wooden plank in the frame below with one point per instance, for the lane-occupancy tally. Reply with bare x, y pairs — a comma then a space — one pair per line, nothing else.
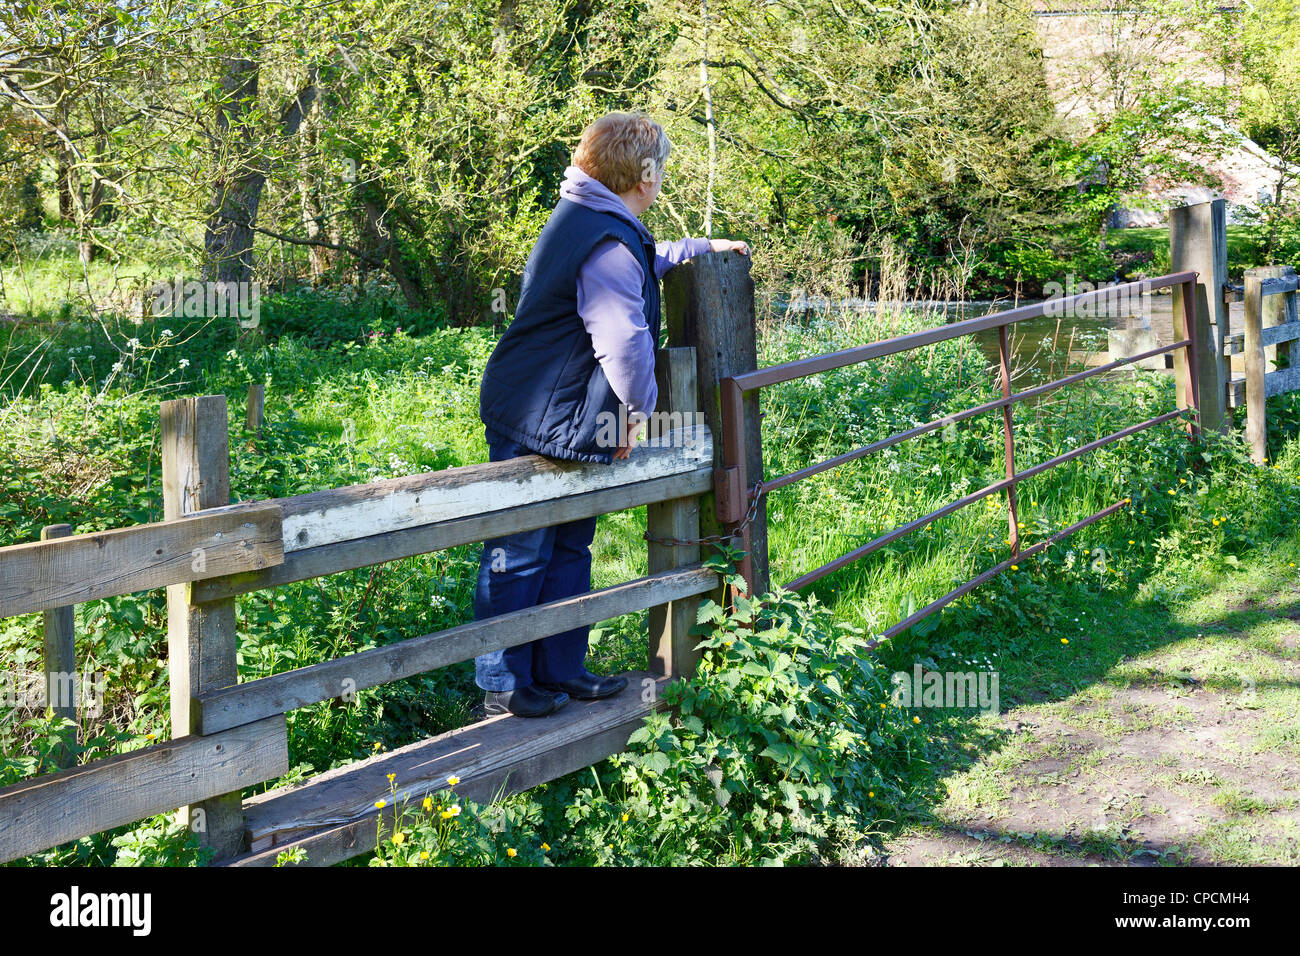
394, 545
49, 810
242, 703
41, 575
1274, 334
1281, 381
1234, 343
333, 816
362, 511
1235, 393
1279, 285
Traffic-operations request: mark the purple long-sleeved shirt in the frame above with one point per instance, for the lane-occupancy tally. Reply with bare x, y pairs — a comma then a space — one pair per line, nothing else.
609, 295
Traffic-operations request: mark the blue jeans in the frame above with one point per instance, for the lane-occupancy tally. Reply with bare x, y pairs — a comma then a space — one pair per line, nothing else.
520, 570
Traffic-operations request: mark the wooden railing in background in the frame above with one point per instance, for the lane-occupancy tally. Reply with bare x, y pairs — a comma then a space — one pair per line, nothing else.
1270, 326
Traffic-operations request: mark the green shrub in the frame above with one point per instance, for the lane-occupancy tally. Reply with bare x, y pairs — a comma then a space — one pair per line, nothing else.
778, 749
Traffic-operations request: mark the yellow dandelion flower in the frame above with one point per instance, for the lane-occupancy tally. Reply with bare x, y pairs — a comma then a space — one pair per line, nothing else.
424, 854
399, 839
916, 720
378, 745
392, 777
1182, 481
1020, 524
1131, 541
625, 818
1172, 491
546, 847
454, 811
380, 804
452, 781
446, 814
511, 852
1065, 640
871, 793
428, 803
1015, 567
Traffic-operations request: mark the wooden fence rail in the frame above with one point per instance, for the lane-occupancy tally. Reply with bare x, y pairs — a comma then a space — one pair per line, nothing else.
229, 735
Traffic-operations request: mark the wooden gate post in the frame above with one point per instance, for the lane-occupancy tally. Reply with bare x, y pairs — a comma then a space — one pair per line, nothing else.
709, 305
61, 656
1198, 242
672, 649
201, 638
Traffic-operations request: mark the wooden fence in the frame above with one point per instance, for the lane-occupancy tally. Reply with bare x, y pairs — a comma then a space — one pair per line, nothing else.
1270, 326
230, 735
1198, 241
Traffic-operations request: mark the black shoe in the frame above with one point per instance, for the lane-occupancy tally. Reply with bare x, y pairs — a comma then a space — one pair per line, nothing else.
587, 686
531, 701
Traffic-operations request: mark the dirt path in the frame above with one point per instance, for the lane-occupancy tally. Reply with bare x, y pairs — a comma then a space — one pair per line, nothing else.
1188, 754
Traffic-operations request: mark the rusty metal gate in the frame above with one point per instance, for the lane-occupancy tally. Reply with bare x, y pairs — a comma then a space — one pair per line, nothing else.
732, 508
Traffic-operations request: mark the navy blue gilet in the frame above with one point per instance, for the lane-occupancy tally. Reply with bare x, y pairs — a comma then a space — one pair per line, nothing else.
543, 386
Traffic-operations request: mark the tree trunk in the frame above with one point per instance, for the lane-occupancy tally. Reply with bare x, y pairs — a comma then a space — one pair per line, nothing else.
236, 194
228, 242
379, 237
320, 259
63, 179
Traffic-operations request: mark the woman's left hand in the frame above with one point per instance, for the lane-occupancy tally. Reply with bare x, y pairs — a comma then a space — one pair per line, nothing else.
729, 245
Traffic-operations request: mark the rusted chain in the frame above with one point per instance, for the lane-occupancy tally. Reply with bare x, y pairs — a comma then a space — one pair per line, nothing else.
755, 496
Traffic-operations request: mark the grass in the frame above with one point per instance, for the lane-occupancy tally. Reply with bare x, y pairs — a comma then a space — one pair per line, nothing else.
1181, 751
359, 389
1244, 246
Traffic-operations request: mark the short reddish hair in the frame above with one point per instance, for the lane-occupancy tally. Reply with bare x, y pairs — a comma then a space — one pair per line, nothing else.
618, 150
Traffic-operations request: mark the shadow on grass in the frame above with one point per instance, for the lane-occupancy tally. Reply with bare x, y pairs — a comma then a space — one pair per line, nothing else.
1039, 669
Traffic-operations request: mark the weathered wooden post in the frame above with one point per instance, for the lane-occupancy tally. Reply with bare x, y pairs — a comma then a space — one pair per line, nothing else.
1263, 311
672, 649
709, 305
61, 656
201, 638
1198, 242
256, 404
1275, 310
1253, 357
